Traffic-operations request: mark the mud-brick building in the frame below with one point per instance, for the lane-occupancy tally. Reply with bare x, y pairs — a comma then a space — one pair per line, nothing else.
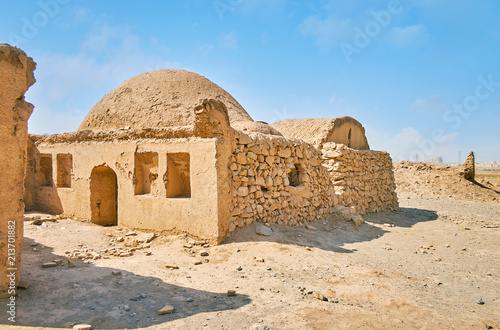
170, 151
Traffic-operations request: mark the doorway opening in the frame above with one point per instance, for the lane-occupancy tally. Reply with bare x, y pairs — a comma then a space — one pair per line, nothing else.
103, 196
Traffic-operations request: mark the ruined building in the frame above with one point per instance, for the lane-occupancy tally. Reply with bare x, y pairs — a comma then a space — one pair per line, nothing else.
170, 151
16, 76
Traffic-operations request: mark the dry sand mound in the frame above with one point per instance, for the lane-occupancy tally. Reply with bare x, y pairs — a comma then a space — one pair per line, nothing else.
441, 181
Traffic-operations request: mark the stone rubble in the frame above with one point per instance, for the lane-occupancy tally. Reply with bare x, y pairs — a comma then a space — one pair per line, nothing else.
168, 309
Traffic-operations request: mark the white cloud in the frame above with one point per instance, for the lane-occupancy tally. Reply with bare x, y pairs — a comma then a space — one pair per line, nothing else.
328, 32
204, 50
409, 36
228, 40
410, 144
104, 38
430, 105
159, 45
336, 100
46, 121
262, 6
74, 16
69, 85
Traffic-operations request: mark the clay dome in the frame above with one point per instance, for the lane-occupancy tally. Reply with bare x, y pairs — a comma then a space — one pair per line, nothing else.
162, 98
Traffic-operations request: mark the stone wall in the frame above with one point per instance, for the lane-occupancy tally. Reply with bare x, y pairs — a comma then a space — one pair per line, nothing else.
277, 180
361, 178
16, 76
468, 169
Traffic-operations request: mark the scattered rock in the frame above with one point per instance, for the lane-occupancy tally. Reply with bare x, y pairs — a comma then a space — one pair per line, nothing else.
480, 302
116, 272
309, 227
82, 327
150, 237
357, 219
171, 266
263, 230
203, 253
259, 327
198, 262
71, 264
166, 310
231, 293
189, 299
23, 284
239, 268
49, 265
126, 308
131, 233
319, 296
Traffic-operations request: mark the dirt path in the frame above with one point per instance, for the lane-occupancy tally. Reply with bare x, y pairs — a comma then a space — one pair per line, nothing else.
427, 271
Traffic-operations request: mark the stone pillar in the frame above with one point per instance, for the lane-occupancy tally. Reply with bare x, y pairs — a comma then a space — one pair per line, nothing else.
16, 76
468, 169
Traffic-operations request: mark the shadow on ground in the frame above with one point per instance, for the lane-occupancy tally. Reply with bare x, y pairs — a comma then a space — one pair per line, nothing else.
485, 187
334, 232
62, 296
407, 217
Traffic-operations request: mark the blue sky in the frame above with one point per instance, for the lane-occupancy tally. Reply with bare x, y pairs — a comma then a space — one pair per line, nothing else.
422, 76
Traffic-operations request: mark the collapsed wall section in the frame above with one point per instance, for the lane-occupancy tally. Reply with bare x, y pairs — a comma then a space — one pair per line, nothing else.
16, 76
361, 178
277, 180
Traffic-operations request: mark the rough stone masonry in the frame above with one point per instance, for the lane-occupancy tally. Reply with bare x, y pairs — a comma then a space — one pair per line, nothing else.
16, 76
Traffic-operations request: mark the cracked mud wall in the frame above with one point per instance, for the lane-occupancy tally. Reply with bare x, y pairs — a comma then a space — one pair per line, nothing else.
16, 76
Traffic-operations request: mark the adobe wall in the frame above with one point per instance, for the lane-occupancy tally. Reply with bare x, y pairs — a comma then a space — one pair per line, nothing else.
16, 76
140, 205
29, 180
349, 133
362, 178
278, 181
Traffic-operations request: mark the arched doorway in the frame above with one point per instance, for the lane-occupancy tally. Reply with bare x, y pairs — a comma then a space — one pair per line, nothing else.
103, 193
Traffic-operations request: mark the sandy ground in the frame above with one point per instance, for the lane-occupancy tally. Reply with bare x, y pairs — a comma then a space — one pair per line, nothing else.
427, 271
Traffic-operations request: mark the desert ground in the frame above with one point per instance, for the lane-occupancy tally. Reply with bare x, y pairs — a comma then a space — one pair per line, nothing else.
433, 265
